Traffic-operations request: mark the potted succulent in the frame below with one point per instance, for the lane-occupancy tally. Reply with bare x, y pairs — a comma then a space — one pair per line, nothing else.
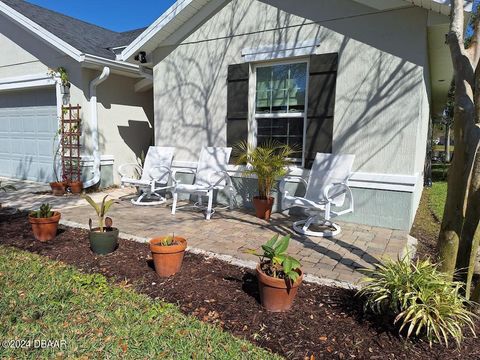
44, 223
279, 275
167, 254
268, 163
104, 238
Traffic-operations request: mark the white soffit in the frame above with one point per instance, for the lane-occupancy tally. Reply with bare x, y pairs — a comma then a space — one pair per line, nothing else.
438, 6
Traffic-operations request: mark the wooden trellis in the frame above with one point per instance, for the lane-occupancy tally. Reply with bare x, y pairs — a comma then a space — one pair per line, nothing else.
70, 143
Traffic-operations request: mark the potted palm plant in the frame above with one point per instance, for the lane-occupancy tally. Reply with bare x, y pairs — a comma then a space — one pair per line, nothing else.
44, 223
268, 163
104, 238
279, 275
167, 254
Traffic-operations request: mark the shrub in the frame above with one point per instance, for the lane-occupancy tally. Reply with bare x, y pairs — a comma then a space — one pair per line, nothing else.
422, 300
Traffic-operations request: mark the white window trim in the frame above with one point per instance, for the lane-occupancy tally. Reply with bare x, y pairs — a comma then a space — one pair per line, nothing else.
280, 51
252, 89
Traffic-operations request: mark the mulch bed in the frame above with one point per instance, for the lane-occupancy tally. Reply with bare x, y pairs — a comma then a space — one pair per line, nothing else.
325, 322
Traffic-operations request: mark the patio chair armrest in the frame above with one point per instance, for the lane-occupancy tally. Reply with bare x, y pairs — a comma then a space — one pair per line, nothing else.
181, 170
334, 190
223, 176
160, 168
122, 169
291, 179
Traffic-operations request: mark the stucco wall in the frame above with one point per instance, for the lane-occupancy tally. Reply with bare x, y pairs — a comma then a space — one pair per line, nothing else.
382, 105
380, 84
125, 117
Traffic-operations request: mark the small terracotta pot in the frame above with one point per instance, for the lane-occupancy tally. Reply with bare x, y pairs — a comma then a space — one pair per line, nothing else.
76, 187
263, 207
167, 259
45, 229
277, 295
58, 188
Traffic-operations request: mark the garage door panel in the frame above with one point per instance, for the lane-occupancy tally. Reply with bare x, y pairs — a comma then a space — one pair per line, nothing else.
28, 123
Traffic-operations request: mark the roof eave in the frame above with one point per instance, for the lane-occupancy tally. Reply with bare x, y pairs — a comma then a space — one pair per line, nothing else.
181, 18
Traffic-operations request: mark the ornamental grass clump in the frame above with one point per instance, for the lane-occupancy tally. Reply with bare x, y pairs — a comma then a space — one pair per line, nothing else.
422, 300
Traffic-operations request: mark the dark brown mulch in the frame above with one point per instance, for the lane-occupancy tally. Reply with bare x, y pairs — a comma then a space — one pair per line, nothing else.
325, 322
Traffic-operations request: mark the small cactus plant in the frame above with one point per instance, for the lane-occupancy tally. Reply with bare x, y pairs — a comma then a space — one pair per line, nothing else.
168, 240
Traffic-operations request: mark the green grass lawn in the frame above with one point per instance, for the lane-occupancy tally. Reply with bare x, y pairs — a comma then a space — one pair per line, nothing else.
436, 199
45, 300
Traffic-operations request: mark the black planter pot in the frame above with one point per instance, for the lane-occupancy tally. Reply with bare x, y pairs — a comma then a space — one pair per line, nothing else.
103, 243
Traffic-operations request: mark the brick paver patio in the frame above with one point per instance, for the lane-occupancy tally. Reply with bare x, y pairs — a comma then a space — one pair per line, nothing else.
234, 232
229, 232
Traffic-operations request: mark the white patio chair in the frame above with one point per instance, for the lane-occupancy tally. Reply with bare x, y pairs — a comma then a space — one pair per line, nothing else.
326, 191
210, 175
156, 173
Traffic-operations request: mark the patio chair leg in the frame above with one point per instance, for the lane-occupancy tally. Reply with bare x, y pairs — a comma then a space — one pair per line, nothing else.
230, 199
174, 203
210, 201
148, 194
302, 226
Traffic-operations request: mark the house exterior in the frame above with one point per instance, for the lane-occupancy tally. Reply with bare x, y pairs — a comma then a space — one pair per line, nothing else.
34, 40
347, 76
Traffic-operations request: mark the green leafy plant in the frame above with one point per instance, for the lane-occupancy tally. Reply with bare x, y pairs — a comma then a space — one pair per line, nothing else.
268, 162
275, 261
102, 208
44, 212
422, 300
62, 73
168, 240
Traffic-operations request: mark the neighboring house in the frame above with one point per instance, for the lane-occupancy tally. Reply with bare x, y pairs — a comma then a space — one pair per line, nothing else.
34, 40
344, 76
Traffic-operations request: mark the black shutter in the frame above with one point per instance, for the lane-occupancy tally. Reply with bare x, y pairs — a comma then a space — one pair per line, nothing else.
237, 104
321, 105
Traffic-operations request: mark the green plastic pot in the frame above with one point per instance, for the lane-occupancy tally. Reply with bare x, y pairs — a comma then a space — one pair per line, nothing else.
103, 243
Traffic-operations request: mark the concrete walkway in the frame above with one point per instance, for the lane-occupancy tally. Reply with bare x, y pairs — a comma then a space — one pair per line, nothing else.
234, 232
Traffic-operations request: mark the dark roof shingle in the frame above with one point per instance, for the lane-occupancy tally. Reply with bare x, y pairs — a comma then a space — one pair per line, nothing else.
86, 37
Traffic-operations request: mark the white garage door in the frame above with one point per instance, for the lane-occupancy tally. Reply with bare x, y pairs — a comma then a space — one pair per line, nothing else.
28, 122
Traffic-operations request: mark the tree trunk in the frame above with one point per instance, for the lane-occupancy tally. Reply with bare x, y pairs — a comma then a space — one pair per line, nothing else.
468, 245
464, 63
447, 143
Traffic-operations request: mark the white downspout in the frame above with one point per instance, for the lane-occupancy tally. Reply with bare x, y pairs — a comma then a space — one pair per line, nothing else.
94, 126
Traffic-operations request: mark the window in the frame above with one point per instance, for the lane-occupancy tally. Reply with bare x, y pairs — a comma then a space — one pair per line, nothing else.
280, 99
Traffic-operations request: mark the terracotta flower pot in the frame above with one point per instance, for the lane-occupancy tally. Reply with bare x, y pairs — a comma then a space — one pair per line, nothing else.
45, 229
76, 187
103, 243
168, 259
58, 188
275, 294
263, 207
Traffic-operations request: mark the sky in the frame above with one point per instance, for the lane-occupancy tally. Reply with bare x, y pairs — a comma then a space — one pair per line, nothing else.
117, 15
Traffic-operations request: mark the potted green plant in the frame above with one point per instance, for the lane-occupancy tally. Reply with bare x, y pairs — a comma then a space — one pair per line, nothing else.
104, 238
167, 254
44, 223
268, 163
279, 275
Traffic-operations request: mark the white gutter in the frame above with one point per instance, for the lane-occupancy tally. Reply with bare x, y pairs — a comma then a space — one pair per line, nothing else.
94, 126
